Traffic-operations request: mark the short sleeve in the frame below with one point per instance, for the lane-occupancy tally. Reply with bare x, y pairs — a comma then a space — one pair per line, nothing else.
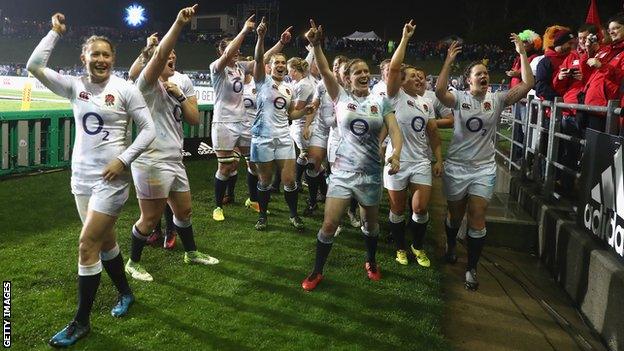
457, 95
387, 105
303, 92
134, 99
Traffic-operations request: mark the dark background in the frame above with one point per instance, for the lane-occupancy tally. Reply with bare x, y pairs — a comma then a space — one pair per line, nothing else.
477, 20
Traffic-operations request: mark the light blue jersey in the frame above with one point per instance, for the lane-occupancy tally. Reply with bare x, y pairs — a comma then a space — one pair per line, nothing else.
360, 121
273, 101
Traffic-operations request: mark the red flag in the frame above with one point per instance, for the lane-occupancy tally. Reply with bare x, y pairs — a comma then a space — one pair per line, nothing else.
593, 17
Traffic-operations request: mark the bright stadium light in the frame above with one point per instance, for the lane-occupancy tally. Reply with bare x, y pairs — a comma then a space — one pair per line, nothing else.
135, 15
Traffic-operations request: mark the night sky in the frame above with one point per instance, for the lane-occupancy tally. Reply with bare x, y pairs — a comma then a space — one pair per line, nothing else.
489, 20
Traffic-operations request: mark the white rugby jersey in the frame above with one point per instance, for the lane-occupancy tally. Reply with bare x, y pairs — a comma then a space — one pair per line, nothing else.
102, 114
167, 114
412, 115
326, 111
249, 101
380, 88
360, 121
273, 99
439, 108
303, 91
228, 88
474, 127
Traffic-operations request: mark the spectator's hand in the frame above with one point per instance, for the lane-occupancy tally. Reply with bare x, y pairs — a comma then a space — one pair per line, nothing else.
185, 15
249, 24
454, 49
152, 40
408, 29
113, 169
563, 73
577, 75
286, 36
515, 39
437, 168
262, 28
315, 34
594, 62
58, 23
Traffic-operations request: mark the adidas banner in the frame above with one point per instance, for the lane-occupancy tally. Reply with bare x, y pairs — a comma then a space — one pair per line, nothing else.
601, 208
198, 148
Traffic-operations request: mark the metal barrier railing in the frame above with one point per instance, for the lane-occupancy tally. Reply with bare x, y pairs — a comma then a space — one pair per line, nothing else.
40, 140
540, 158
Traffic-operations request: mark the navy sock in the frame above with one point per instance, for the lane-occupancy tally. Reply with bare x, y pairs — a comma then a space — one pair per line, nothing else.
115, 270
87, 288
291, 198
322, 182
451, 236
252, 185
371, 248
169, 218
418, 231
313, 187
220, 188
475, 246
322, 252
264, 196
398, 234
353, 206
232, 185
186, 235
138, 242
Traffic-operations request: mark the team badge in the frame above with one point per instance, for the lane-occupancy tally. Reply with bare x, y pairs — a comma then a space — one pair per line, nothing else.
374, 110
351, 106
84, 95
466, 106
410, 103
109, 99
487, 106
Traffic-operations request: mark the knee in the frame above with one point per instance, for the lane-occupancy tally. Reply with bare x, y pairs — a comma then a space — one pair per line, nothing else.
288, 181
185, 214
147, 223
370, 228
328, 228
87, 248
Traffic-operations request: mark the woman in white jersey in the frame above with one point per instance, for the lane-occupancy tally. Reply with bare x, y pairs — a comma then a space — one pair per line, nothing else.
159, 174
416, 119
103, 106
470, 169
317, 132
362, 117
303, 92
271, 144
227, 74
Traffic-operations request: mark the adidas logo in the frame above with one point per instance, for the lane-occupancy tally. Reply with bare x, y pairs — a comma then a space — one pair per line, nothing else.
604, 215
205, 149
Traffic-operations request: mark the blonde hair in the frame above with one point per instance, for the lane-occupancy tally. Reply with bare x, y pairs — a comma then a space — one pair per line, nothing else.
92, 39
299, 64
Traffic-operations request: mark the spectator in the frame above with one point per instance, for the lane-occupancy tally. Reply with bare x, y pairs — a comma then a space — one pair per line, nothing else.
604, 70
554, 55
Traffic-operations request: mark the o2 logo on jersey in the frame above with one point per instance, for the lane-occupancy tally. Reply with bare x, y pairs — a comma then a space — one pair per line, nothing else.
475, 125
177, 113
418, 124
237, 85
248, 103
487, 106
359, 127
98, 129
279, 103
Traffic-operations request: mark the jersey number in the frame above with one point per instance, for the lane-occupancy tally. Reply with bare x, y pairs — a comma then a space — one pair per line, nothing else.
99, 128
475, 125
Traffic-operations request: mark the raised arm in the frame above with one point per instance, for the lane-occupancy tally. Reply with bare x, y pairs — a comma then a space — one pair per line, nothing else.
234, 46
139, 62
315, 37
519, 91
394, 70
188, 103
154, 67
445, 97
59, 84
277, 48
258, 70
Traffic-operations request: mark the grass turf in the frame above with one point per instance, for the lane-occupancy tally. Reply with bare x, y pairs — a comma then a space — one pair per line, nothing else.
251, 300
